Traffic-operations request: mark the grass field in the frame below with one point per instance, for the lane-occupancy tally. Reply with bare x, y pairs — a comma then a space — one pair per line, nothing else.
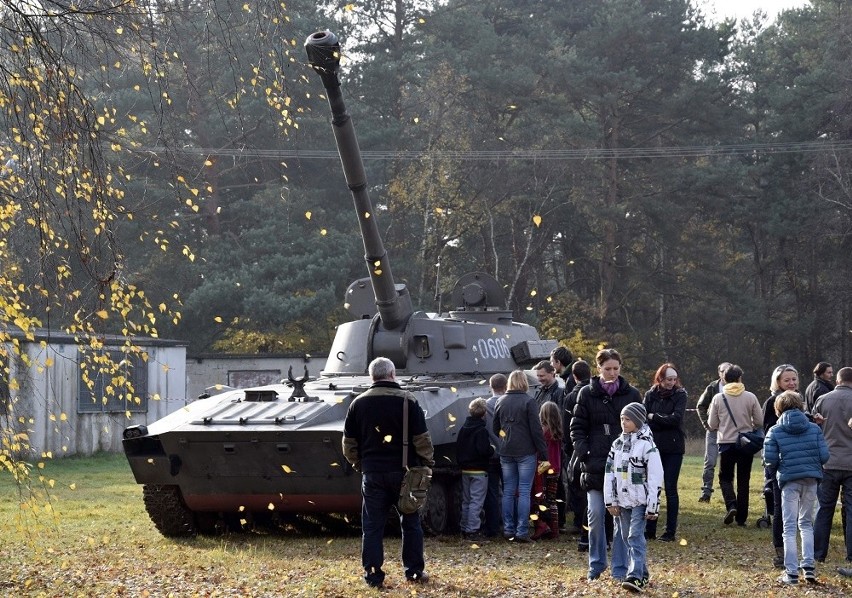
98, 541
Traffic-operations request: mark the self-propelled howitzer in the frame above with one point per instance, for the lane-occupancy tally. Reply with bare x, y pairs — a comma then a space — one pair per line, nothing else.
273, 454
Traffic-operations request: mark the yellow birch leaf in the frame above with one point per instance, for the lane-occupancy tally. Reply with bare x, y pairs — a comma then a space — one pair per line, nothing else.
537, 220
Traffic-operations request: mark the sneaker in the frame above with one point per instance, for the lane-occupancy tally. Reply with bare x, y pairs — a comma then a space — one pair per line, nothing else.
730, 516
523, 540
592, 576
788, 580
704, 498
667, 537
809, 575
634, 585
845, 571
421, 577
475, 537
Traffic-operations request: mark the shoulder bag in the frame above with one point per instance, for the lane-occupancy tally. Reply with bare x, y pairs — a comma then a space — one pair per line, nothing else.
417, 480
749, 443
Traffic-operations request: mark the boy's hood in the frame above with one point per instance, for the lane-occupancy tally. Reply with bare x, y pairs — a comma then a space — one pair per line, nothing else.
794, 421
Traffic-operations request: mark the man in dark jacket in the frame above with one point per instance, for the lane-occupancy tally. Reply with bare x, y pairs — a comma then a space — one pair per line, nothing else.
582, 373
561, 359
550, 390
372, 443
823, 383
711, 449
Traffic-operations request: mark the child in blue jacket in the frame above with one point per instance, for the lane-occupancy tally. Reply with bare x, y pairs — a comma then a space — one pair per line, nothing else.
796, 449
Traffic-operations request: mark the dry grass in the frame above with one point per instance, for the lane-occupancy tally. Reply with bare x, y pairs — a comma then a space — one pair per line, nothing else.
101, 543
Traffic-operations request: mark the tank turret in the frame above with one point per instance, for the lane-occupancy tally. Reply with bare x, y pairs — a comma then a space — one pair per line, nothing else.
272, 455
479, 335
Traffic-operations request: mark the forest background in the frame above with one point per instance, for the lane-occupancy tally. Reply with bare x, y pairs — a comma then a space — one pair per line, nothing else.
634, 174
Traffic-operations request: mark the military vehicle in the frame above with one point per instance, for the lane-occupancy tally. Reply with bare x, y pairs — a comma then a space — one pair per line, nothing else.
273, 454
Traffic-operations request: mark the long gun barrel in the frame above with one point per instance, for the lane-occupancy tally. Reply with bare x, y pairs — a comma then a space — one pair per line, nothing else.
392, 301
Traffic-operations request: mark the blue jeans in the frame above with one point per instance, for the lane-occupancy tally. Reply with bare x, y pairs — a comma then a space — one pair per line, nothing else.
379, 492
833, 480
474, 489
518, 474
630, 527
672, 463
798, 498
597, 539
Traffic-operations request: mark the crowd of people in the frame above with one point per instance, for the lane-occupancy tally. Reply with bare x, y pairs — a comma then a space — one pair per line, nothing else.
622, 452
591, 456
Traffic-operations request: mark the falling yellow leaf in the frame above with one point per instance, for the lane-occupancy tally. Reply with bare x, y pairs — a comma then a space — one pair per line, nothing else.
218, 319
451, 417
537, 220
330, 541
533, 293
72, 486
534, 517
308, 214
682, 542
542, 508
286, 469
453, 389
102, 314
335, 464
388, 438
271, 507
502, 433
349, 7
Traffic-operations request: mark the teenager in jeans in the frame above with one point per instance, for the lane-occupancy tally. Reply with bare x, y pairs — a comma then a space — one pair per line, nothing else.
732, 411
796, 450
632, 482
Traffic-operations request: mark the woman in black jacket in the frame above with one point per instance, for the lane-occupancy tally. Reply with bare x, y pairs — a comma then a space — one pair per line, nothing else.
666, 406
594, 427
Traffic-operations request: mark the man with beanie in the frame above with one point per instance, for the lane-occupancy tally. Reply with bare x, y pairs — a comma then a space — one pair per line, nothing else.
632, 480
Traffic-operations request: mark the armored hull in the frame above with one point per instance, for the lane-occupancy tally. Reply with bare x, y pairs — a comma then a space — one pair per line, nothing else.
274, 454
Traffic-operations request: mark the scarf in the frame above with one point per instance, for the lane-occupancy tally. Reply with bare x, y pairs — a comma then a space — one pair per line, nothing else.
665, 393
609, 387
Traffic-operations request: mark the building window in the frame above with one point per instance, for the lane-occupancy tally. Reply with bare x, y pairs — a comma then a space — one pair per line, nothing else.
109, 370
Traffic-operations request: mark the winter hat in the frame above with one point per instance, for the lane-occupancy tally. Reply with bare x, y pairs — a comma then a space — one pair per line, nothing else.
636, 413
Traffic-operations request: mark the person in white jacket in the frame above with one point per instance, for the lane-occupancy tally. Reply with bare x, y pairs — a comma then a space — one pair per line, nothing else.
633, 478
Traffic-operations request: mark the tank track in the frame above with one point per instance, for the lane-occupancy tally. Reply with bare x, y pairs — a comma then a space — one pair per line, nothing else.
167, 510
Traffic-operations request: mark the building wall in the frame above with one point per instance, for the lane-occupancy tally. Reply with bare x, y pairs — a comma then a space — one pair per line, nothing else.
210, 373
45, 406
